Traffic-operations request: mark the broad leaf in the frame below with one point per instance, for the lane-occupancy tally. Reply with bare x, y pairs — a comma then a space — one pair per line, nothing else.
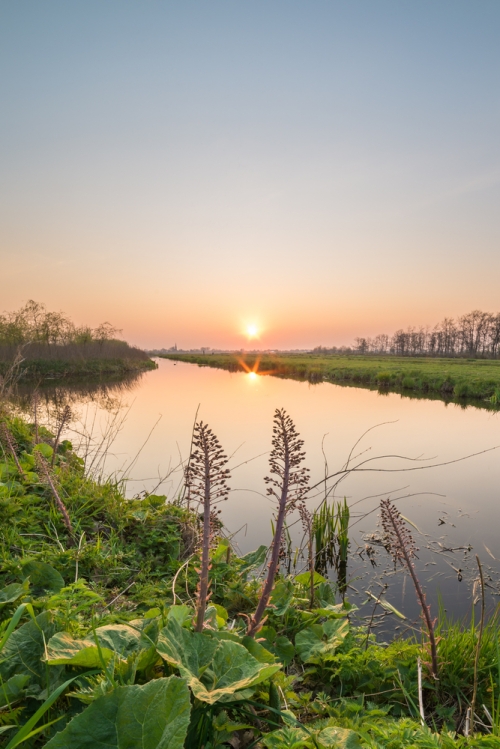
305, 579
12, 689
12, 592
253, 559
42, 577
153, 716
282, 596
116, 640
319, 641
280, 646
331, 737
215, 668
25, 648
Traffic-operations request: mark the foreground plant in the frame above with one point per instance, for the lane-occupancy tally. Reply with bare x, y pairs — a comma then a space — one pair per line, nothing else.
206, 480
401, 545
288, 488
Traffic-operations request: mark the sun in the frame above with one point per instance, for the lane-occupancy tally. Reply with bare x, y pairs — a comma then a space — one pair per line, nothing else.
252, 331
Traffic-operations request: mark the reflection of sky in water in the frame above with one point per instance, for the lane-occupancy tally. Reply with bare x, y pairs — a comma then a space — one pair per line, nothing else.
451, 505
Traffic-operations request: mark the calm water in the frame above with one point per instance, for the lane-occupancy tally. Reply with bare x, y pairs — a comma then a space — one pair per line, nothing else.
452, 506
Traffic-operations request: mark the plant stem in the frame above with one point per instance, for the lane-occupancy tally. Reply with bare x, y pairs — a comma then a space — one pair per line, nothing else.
420, 596
255, 621
205, 550
478, 646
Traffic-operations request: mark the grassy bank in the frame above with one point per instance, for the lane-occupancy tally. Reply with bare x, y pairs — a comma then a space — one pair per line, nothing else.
37, 361
450, 379
98, 643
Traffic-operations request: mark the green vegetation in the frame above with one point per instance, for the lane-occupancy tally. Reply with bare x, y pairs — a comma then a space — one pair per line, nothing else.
98, 640
450, 379
37, 344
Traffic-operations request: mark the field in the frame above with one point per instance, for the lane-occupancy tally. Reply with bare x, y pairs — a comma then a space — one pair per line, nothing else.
449, 379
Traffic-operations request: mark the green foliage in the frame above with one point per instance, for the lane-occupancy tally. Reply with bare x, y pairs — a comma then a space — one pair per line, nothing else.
95, 649
152, 716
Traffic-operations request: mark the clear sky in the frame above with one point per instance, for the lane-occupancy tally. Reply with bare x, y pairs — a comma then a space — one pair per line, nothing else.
320, 169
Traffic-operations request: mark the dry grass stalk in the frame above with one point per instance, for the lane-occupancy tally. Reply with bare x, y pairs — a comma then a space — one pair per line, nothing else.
400, 544
43, 468
288, 488
64, 419
206, 481
478, 645
10, 443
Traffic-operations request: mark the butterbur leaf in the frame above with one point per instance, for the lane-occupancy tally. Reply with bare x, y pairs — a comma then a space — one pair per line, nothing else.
153, 716
42, 576
282, 596
181, 613
215, 668
12, 689
331, 737
12, 592
319, 641
25, 648
45, 450
305, 579
253, 559
63, 649
118, 641
341, 738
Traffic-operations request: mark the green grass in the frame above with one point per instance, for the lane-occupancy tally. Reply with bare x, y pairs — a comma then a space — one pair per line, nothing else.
458, 380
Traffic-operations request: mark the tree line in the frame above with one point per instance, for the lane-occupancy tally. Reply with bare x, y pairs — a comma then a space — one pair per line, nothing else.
34, 324
476, 334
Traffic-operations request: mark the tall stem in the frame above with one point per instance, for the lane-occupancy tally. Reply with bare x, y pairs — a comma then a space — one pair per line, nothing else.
478, 646
421, 598
205, 551
255, 621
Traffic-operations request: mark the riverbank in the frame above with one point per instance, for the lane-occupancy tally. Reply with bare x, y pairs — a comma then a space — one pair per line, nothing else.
43, 362
449, 379
97, 608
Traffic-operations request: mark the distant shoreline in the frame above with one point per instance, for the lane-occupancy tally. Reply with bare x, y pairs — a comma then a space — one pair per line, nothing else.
451, 380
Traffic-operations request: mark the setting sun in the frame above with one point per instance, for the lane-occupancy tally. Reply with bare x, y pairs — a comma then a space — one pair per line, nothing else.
252, 331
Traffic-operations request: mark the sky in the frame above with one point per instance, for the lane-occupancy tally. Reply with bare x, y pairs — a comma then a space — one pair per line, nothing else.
321, 170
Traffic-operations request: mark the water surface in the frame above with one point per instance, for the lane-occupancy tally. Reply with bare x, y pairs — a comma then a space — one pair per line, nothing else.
453, 506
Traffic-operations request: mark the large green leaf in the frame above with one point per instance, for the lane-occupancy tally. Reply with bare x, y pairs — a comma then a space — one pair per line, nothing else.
319, 642
12, 592
215, 668
279, 645
13, 688
42, 577
331, 737
153, 716
282, 596
25, 648
115, 640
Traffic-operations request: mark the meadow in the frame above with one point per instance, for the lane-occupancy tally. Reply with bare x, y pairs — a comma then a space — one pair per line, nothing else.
454, 379
136, 623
